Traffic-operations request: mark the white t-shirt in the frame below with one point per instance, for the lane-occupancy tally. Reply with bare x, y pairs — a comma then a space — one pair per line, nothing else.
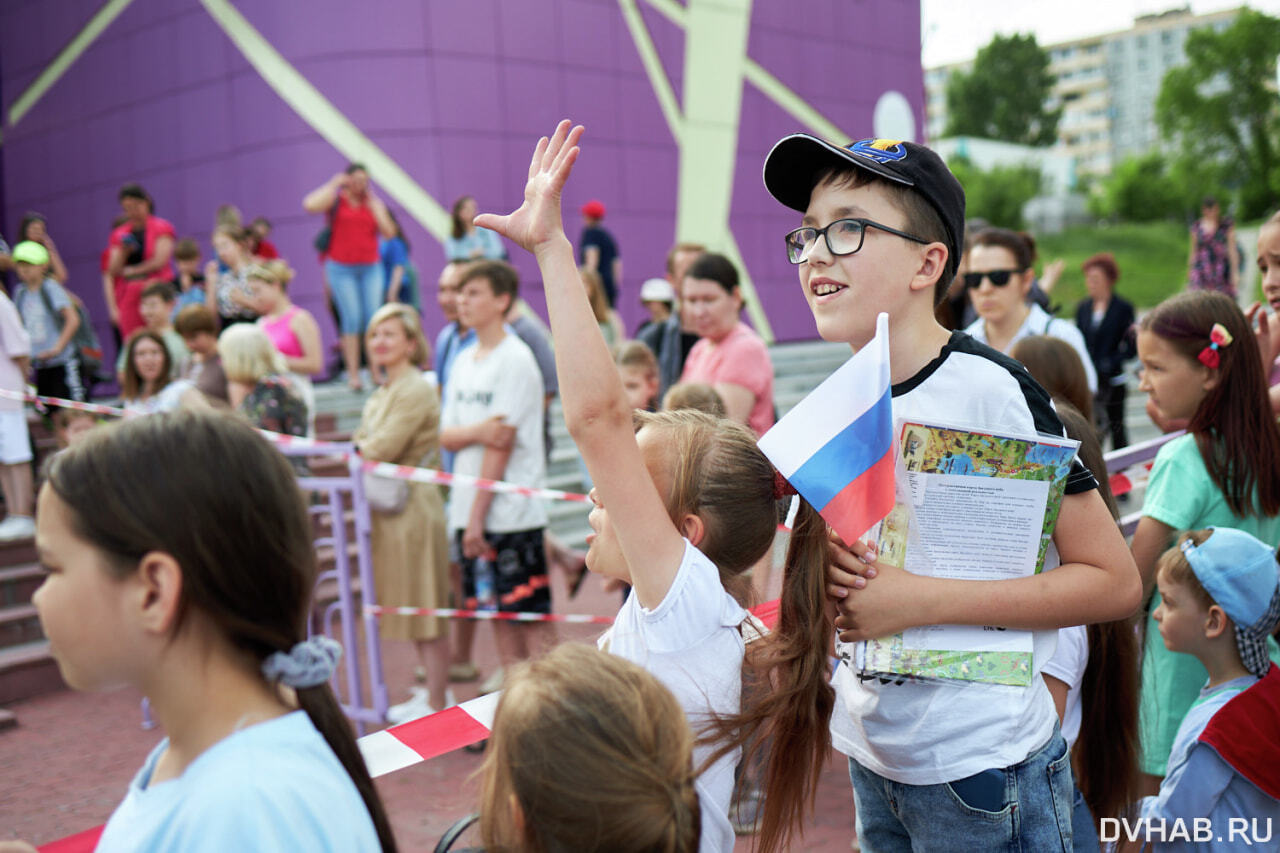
1039, 322
168, 399
926, 733
691, 641
506, 382
1067, 665
14, 343
275, 786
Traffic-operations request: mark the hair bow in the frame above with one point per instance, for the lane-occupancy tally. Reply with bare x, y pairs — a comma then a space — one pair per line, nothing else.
1218, 337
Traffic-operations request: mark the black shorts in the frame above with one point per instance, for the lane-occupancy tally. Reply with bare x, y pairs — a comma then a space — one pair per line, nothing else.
520, 579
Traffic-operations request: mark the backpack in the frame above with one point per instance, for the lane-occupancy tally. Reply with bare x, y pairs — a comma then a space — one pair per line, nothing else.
85, 340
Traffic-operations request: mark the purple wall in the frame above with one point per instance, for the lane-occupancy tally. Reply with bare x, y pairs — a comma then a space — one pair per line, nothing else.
455, 91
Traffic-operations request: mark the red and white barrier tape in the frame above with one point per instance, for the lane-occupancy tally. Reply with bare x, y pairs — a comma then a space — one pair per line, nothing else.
57, 402
1123, 482
378, 469
493, 615
444, 478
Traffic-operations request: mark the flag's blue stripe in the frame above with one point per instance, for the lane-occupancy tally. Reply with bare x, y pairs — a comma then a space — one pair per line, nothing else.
844, 458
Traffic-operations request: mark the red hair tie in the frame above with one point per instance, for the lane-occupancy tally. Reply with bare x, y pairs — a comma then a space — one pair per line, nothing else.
1218, 337
782, 488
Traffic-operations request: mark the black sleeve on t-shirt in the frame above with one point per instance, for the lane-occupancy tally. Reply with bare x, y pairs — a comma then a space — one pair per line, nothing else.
1046, 420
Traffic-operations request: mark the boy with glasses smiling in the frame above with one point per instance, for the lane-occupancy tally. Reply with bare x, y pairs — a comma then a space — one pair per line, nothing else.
940, 765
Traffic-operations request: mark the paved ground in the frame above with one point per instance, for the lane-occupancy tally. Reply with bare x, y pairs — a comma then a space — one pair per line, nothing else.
69, 761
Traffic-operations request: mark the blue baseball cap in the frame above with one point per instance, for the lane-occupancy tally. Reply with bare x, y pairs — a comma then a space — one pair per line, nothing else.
1240, 573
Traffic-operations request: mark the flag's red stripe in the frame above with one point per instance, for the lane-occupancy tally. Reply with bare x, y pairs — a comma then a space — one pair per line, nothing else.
81, 842
863, 502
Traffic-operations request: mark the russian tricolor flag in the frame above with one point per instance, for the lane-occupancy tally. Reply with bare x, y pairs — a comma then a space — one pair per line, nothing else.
836, 446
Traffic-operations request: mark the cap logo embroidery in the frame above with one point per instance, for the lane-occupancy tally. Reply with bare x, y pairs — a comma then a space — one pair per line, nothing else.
880, 150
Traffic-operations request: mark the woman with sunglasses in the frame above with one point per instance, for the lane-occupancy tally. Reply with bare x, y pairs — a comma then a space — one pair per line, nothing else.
998, 281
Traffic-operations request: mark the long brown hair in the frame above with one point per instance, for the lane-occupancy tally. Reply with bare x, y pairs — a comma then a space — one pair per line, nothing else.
598, 755
132, 488
131, 383
459, 228
1234, 428
1056, 365
1105, 756
717, 472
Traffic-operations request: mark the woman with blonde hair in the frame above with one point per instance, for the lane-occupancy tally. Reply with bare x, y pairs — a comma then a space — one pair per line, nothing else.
401, 424
292, 329
257, 384
606, 317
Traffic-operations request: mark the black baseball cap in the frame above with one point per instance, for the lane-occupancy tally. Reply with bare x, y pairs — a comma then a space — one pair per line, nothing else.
791, 170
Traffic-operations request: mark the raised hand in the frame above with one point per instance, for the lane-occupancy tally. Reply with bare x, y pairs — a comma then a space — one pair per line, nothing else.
537, 223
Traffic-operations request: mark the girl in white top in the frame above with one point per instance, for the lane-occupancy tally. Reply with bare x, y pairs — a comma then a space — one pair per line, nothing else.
683, 507
160, 580
998, 281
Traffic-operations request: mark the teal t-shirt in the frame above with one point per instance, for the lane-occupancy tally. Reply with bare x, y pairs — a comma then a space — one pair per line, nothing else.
1182, 495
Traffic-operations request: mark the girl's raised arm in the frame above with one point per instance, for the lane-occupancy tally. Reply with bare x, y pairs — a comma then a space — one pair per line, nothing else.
595, 407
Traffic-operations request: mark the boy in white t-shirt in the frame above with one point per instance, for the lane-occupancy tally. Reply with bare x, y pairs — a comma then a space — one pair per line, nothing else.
492, 421
15, 441
939, 765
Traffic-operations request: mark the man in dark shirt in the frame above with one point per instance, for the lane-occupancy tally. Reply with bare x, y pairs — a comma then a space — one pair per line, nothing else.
597, 250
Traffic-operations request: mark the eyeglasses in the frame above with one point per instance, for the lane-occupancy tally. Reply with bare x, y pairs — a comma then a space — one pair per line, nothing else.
999, 278
844, 237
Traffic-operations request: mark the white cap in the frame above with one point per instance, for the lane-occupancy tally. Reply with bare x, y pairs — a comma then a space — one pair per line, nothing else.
657, 290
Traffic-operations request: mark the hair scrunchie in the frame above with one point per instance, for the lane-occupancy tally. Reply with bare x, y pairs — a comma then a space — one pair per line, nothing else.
781, 487
1218, 337
308, 664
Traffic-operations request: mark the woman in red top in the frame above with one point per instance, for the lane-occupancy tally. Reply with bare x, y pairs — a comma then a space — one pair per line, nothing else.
356, 216
138, 254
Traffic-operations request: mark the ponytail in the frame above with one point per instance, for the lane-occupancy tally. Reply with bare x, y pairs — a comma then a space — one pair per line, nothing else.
325, 714
787, 696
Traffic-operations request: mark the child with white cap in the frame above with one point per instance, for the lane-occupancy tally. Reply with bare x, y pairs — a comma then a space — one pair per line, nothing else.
1220, 591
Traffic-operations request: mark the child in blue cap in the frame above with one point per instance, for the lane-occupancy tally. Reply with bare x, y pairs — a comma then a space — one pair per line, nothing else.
1221, 599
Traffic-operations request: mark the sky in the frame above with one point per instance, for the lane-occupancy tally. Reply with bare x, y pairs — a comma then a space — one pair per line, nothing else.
954, 30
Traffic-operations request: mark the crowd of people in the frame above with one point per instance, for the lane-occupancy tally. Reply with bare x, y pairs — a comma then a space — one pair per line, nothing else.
1152, 693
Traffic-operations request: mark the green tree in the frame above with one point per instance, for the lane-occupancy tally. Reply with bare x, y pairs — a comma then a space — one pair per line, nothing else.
1004, 96
1150, 188
1221, 108
998, 194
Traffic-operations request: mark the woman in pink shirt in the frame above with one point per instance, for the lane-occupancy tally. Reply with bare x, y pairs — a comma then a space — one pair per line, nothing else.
729, 356
292, 330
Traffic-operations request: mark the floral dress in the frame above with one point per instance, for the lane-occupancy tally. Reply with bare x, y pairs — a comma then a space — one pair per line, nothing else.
275, 405
1213, 257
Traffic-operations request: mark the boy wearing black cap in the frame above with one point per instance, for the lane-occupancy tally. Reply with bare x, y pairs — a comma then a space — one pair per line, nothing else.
1220, 600
936, 765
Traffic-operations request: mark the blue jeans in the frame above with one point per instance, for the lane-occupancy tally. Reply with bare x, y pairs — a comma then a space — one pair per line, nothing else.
1025, 808
357, 291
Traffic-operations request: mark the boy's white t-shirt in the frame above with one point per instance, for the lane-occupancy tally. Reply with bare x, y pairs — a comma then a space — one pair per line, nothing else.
275, 786
691, 641
505, 381
1068, 665
927, 733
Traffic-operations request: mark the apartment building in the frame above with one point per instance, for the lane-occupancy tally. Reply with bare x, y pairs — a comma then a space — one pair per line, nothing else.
1106, 85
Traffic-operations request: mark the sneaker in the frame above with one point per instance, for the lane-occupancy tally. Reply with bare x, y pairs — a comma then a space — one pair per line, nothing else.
17, 527
463, 672
493, 683
416, 706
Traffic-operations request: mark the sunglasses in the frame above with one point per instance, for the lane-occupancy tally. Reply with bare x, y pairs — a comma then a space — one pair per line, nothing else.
999, 278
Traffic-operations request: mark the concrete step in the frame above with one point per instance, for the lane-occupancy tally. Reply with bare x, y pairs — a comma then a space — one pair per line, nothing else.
27, 670
17, 583
19, 624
